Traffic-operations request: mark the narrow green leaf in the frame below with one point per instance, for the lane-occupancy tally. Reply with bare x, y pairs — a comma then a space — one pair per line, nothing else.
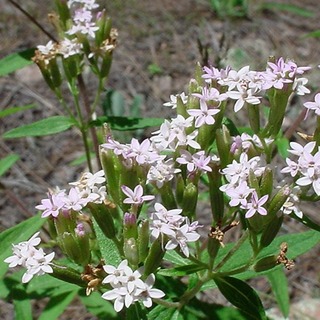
43, 127
127, 123
279, 285
283, 147
109, 250
161, 313
175, 258
21, 232
7, 162
46, 285
288, 7
16, 61
180, 271
314, 34
9, 111
242, 296
23, 309
57, 305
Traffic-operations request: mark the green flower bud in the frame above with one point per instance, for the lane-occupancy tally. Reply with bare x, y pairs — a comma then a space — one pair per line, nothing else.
190, 199
104, 24
277, 202
266, 183
131, 251
266, 263
103, 215
254, 117
223, 140
75, 247
112, 169
130, 226
55, 73
67, 274
143, 240
271, 231
180, 189
213, 247
216, 195
154, 258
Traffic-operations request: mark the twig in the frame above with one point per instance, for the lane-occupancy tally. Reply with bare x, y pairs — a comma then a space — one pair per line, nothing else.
33, 20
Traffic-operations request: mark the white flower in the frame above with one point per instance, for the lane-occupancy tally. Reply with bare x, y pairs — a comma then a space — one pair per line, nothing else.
135, 196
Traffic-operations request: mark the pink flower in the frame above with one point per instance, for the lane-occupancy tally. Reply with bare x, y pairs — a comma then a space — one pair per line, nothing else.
255, 205
135, 196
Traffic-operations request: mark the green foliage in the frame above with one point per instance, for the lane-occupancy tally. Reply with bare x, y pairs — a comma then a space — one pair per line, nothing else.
279, 285
242, 296
13, 110
300, 11
154, 69
229, 8
7, 162
51, 125
127, 123
16, 61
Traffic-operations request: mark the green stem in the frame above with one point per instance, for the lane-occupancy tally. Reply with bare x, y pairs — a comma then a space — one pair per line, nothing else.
232, 251
168, 304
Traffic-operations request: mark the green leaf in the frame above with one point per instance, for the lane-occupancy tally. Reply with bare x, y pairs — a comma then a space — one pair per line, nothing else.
47, 285
108, 249
175, 258
161, 313
180, 271
283, 146
314, 34
57, 305
21, 232
242, 296
127, 123
7, 162
287, 7
23, 309
43, 127
9, 111
16, 61
97, 306
279, 285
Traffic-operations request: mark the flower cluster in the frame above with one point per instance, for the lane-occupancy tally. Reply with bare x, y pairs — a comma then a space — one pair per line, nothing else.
128, 286
26, 254
84, 191
307, 165
176, 227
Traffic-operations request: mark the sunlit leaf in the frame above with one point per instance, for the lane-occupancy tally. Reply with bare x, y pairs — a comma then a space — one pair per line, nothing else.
7, 162
43, 127
242, 296
16, 61
12, 110
127, 123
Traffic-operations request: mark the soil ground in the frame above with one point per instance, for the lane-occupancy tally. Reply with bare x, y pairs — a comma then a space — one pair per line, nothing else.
156, 56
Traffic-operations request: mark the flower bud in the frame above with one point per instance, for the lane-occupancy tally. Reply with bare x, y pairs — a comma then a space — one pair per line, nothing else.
213, 247
131, 251
190, 199
216, 195
154, 257
271, 231
265, 263
112, 169
266, 183
254, 117
130, 226
103, 215
75, 247
67, 274
277, 202
143, 240
104, 24
223, 141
